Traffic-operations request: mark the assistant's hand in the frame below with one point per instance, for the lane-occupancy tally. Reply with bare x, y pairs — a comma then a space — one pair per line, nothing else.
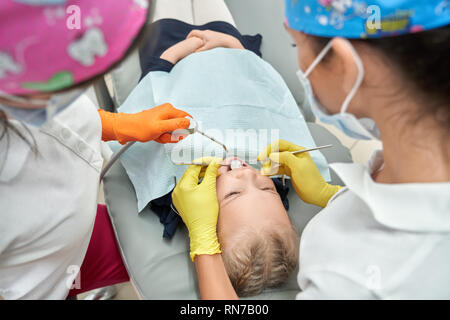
306, 178
198, 206
212, 39
152, 124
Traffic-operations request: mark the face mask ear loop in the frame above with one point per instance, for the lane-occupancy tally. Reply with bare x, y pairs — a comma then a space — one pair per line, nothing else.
359, 78
318, 58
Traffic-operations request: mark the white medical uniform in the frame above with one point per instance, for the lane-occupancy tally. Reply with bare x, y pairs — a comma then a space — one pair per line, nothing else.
378, 241
48, 203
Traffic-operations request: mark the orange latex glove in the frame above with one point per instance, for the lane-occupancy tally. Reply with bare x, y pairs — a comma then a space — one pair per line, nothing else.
152, 124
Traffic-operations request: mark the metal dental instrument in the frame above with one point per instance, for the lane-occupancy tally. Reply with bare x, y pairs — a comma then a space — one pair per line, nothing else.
206, 164
275, 165
192, 130
196, 163
307, 150
312, 149
234, 164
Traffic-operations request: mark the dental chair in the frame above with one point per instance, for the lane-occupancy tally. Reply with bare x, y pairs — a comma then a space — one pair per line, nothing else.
161, 268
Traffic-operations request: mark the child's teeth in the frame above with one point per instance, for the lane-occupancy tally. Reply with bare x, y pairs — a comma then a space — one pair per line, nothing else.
235, 164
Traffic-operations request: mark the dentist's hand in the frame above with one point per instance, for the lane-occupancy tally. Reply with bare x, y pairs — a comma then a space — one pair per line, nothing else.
198, 206
306, 178
151, 124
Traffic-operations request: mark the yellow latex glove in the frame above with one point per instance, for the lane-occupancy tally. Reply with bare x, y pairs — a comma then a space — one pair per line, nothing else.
306, 179
151, 124
198, 206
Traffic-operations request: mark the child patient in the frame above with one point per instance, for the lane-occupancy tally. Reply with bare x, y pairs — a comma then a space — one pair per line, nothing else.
259, 244
258, 241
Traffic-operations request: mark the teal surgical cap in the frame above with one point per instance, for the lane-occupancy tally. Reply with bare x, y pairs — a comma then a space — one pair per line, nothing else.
366, 19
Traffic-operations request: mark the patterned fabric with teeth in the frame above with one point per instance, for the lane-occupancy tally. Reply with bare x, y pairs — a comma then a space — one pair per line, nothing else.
44, 39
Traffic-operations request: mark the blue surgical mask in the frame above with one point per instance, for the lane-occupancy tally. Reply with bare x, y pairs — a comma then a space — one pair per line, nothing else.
45, 110
362, 129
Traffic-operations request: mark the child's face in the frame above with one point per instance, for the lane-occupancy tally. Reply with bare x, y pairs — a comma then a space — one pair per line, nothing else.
247, 199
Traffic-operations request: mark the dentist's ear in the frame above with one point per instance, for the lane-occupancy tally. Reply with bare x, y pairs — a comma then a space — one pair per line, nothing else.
344, 57
347, 63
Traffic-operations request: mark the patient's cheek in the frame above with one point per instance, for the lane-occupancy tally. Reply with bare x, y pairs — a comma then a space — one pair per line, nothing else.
220, 188
220, 228
222, 170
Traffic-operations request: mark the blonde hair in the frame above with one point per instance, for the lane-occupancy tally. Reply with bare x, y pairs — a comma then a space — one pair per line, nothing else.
256, 260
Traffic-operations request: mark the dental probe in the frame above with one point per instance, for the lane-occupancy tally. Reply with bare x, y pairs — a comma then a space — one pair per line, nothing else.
312, 149
194, 129
276, 165
307, 150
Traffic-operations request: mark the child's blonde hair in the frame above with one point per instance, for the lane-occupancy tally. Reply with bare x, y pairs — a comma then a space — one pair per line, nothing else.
256, 260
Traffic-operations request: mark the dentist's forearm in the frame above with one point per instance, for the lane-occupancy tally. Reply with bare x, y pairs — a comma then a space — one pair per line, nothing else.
213, 278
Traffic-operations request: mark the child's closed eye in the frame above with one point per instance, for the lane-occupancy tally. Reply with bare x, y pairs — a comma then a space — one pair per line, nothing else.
231, 194
272, 189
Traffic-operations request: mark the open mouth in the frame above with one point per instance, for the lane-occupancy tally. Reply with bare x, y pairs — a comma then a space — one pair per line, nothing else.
232, 163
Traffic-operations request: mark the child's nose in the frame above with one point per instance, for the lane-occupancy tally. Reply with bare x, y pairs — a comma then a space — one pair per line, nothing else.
245, 173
